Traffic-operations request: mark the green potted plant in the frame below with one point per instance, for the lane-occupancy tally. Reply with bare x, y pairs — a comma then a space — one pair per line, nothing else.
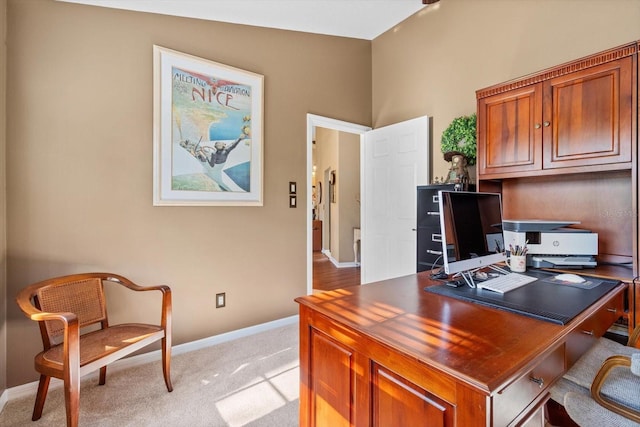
459, 147
460, 138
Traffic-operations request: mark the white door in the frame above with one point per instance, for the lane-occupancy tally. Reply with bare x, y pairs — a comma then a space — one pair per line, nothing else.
395, 159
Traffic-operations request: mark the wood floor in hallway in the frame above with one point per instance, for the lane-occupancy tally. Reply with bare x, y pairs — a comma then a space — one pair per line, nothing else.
327, 276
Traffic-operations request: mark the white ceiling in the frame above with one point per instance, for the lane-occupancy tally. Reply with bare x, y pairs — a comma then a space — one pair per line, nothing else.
361, 19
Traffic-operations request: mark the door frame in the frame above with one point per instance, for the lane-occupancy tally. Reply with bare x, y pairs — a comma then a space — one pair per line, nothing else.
328, 123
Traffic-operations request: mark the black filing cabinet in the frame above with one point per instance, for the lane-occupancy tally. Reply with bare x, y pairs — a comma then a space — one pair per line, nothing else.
428, 230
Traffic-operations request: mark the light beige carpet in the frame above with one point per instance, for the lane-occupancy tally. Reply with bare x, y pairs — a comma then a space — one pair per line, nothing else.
251, 381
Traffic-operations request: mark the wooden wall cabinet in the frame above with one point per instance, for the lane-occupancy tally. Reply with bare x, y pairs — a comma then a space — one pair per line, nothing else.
509, 141
588, 116
577, 117
562, 144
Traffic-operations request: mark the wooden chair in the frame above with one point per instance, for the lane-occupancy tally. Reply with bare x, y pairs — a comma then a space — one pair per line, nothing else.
64, 307
603, 387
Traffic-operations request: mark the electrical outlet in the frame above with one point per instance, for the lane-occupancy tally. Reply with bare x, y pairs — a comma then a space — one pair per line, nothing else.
221, 300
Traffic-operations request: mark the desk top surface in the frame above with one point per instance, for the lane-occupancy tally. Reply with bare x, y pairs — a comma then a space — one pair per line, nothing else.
481, 345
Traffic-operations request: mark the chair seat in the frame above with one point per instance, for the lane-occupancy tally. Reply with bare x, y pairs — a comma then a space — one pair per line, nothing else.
101, 343
586, 412
621, 386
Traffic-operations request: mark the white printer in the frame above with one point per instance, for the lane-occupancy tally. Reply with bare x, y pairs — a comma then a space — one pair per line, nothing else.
551, 243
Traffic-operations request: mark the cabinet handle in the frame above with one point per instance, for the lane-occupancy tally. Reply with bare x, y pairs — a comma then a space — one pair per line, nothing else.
429, 251
588, 332
612, 310
436, 237
546, 124
537, 126
432, 213
539, 381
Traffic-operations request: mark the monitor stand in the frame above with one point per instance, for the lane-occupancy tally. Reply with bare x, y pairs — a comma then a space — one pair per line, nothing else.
467, 275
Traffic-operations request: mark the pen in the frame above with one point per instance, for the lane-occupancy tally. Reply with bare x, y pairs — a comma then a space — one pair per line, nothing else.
519, 250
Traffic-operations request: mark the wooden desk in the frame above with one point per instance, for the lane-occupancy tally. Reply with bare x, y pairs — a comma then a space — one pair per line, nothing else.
391, 354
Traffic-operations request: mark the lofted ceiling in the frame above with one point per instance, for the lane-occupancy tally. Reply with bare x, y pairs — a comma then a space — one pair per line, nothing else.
361, 19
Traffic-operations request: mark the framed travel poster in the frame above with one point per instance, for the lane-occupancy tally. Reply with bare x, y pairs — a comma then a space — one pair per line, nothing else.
207, 131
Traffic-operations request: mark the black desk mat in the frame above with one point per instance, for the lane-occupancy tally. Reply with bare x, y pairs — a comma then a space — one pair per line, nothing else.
544, 299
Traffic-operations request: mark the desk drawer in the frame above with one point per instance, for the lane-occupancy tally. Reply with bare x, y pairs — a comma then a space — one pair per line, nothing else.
515, 398
586, 333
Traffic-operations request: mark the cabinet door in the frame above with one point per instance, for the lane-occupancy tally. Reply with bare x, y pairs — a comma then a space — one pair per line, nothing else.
509, 131
588, 116
332, 382
398, 402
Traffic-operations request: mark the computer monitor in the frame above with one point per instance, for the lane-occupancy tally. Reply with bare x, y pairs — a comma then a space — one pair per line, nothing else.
471, 224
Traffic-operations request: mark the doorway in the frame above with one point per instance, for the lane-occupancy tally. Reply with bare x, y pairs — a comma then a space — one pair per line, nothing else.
313, 122
394, 159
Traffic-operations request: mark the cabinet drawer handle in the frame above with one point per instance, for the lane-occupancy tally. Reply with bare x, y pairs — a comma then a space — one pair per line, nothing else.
588, 332
432, 213
539, 381
546, 124
429, 251
612, 310
537, 126
436, 237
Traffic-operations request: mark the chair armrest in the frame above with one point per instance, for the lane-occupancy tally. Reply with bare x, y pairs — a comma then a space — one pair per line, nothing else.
24, 301
166, 295
598, 382
130, 285
71, 334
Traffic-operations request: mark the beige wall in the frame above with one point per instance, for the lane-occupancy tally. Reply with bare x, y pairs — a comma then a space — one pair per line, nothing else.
80, 164
3, 220
348, 189
326, 158
79, 133
433, 63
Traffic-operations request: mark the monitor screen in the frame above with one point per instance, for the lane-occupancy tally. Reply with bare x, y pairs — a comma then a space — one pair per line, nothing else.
471, 225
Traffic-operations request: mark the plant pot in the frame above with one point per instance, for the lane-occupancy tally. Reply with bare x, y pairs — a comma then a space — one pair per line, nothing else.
458, 172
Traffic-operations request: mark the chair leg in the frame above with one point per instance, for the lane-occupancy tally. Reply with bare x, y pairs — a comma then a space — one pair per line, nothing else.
43, 387
103, 375
166, 363
72, 399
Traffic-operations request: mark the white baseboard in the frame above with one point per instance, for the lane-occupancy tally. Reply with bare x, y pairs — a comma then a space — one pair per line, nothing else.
4, 398
30, 389
339, 264
348, 264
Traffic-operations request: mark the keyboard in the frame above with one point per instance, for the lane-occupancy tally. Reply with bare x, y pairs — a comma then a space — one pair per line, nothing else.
506, 282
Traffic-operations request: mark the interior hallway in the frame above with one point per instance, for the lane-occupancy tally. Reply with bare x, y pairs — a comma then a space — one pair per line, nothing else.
327, 276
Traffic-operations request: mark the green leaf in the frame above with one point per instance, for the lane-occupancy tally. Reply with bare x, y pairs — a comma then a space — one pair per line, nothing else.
460, 136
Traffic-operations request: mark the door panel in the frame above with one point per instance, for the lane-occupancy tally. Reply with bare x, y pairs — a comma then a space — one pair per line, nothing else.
396, 401
332, 384
591, 116
395, 161
509, 131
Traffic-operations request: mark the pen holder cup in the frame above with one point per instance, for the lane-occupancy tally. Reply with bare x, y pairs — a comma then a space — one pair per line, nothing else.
517, 263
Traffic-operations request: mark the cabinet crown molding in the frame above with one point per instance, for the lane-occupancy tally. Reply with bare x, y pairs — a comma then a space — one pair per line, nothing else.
560, 70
